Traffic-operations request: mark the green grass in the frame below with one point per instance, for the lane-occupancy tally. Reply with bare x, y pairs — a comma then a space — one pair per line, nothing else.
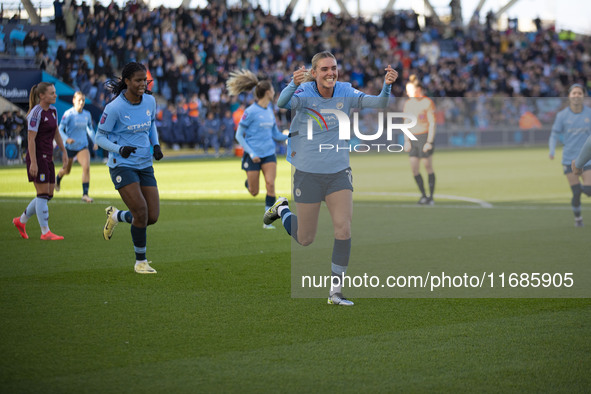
219, 316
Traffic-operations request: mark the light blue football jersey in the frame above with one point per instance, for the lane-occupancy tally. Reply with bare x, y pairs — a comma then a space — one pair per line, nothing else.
575, 129
258, 131
305, 153
127, 124
76, 125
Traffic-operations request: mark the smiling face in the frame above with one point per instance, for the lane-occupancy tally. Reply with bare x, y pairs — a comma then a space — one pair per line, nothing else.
576, 96
137, 84
326, 73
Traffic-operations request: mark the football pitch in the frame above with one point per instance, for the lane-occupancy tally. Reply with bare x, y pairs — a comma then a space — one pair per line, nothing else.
220, 317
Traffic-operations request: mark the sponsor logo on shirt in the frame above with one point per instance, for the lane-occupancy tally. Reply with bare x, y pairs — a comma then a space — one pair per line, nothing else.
104, 118
137, 127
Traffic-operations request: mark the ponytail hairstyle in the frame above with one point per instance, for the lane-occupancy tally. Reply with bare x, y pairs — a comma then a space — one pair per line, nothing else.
116, 86
315, 59
243, 81
36, 92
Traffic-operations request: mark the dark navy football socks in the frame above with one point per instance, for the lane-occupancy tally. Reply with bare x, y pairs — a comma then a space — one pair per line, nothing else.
340, 261
124, 216
138, 236
269, 201
290, 222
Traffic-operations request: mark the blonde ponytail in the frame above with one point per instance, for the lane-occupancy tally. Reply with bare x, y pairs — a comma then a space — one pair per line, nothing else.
243, 81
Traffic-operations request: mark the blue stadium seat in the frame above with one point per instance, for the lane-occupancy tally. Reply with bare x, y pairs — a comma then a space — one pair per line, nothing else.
18, 35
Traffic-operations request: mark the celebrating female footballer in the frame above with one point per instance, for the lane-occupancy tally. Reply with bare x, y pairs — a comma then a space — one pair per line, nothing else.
127, 130
322, 175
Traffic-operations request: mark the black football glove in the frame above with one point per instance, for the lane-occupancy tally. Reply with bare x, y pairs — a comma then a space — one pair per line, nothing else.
158, 152
125, 151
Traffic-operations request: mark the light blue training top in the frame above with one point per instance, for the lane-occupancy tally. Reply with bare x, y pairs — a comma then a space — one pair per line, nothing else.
127, 124
575, 129
76, 125
257, 131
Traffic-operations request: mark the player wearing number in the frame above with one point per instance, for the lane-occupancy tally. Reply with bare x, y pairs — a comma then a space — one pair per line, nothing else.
42, 126
257, 133
75, 126
422, 149
128, 131
322, 175
574, 124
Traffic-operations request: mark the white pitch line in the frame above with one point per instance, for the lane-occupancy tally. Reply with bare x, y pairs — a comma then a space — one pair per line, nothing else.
482, 203
378, 204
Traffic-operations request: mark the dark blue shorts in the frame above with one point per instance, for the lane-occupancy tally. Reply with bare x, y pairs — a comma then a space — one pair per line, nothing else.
568, 169
311, 188
123, 176
73, 153
249, 165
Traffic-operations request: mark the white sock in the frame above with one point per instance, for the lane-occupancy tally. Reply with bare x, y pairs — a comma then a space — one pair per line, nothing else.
281, 208
44, 230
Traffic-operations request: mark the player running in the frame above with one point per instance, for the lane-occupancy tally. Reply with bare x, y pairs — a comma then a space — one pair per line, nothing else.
322, 175
257, 133
574, 124
127, 130
75, 126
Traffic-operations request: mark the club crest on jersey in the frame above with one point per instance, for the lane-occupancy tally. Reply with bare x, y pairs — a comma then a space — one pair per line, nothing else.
148, 112
118, 179
42, 177
340, 105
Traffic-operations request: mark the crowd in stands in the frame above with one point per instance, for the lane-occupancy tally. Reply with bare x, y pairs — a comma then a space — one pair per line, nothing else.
189, 53
12, 125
